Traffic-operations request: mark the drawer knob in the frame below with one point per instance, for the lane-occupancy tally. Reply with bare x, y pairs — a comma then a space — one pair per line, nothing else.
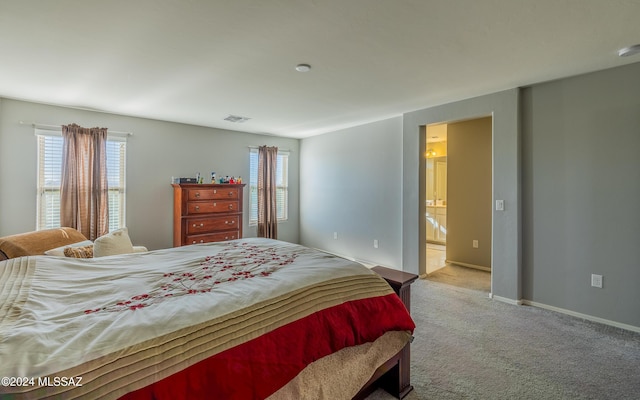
197, 207
197, 194
230, 206
195, 225
201, 240
230, 194
215, 190
229, 222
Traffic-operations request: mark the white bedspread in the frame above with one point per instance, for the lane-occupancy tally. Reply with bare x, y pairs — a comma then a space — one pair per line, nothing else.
56, 313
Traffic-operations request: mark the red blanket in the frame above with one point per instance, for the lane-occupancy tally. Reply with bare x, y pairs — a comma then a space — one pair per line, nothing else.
256, 369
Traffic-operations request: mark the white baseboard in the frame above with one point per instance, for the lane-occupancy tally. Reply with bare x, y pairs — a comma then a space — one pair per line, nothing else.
474, 266
506, 300
583, 316
567, 312
366, 263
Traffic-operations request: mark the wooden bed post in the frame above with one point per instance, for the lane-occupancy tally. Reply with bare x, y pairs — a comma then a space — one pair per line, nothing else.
398, 380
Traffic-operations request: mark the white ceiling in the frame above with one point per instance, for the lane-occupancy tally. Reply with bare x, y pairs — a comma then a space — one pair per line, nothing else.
197, 61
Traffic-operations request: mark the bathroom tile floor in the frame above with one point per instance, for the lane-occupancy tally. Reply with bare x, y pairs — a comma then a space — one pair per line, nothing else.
436, 257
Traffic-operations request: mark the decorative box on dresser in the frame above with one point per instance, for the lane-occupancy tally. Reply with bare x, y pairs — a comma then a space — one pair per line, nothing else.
206, 213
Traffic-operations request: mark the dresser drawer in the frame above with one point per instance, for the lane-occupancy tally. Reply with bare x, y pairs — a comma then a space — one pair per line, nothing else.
211, 237
211, 193
214, 206
204, 213
212, 224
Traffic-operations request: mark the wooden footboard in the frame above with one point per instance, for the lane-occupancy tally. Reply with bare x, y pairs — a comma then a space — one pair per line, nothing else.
394, 375
387, 377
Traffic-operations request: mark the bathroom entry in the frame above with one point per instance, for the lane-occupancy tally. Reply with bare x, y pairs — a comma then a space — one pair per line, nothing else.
437, 199
458, 196
436, 196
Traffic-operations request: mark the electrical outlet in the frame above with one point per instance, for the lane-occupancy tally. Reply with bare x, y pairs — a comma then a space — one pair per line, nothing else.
335, 235
596, 281
375, 243
475, 244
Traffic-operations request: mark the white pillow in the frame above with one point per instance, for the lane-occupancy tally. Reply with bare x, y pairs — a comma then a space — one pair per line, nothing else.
59, 251
116, 242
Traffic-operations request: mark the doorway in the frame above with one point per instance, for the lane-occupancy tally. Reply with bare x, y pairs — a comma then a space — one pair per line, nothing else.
436, 196
458, 184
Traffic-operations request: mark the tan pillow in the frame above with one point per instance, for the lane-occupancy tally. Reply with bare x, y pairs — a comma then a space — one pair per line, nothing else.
79, 252
116, 242
59, 251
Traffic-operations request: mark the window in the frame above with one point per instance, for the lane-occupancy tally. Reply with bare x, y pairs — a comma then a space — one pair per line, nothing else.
116, 151
282, 186
49, 177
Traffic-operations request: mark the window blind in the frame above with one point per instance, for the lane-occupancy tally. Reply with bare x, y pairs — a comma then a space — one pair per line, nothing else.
48, 188
282, 186
116, 158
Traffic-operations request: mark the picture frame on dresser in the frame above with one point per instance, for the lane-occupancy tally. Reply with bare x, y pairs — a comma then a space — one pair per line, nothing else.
205, 213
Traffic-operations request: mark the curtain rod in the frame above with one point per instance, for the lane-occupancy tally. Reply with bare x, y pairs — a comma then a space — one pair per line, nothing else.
48, 127
279, 149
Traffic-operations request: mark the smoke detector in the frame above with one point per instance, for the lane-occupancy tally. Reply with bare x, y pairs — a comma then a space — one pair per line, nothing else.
629, 51
236, 118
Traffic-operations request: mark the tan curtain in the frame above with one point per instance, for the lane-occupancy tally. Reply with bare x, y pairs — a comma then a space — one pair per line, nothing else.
84, 196
267, 218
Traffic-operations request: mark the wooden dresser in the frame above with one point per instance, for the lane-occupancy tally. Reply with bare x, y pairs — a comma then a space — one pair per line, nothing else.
206, 213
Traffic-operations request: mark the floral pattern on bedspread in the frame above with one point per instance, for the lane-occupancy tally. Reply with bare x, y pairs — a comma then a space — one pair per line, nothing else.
238, 261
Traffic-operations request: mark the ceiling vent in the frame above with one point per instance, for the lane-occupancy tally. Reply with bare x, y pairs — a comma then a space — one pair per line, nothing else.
236, 118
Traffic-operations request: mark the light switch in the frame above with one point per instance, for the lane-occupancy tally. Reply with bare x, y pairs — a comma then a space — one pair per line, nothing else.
499, 205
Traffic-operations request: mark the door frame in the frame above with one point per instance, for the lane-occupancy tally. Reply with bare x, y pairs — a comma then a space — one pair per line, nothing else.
423, 187
506, 251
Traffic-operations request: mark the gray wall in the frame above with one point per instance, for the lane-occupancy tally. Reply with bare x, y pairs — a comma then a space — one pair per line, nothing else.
581, 190
469, 192
506, 257
353, 186
565, 160
156, 152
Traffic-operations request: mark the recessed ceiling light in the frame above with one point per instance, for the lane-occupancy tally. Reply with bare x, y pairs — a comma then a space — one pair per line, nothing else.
629, 51
303, 67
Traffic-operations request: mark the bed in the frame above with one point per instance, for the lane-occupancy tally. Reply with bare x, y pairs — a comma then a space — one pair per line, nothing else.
245, 319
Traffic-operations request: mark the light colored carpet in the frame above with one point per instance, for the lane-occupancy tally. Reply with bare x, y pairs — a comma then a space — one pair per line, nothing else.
468, 346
